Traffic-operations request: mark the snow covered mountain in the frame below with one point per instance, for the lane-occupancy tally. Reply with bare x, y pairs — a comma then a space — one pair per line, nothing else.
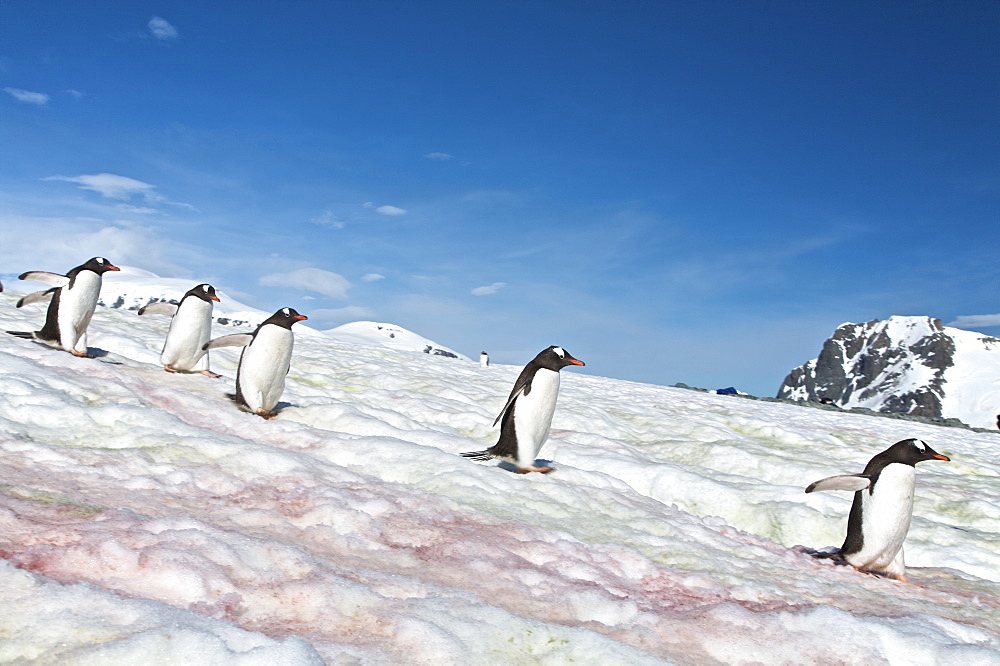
906, 365
391, 336
144, 519
134, 288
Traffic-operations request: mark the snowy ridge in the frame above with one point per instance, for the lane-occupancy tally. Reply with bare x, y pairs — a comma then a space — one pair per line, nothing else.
907, 365
134, 288
143, 518
391, 336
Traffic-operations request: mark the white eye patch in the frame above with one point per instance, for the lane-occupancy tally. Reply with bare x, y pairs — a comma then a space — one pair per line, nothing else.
559, 352
285, 311
920, 444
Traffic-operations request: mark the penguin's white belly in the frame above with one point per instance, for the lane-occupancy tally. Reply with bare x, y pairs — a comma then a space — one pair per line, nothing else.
190, 329
885, 520
263, 367
76, 308
533, 415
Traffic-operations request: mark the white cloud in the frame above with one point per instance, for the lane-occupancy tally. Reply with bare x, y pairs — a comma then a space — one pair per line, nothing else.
75, 93
161, 29
323, 282
976, 321
28, 97
111, 186
443, 157
489, 289
68, 242
327, 219
390, 210
341, 315
372, 277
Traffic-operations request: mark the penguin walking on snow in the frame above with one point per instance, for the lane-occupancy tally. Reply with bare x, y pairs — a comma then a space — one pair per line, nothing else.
266, 357
527, 416
190, 329
72, 300
882, 509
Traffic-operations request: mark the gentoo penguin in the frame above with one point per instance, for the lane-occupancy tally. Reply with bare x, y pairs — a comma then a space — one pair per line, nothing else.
72, 300
267, 354
528, 413
484, 361
190, 329
882, 509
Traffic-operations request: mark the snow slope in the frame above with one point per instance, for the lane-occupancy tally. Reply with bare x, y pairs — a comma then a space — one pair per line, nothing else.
144, 519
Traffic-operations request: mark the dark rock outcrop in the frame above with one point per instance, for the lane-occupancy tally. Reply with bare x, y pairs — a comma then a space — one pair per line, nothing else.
892, 366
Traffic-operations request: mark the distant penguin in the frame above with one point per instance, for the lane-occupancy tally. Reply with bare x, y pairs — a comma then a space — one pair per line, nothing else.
527, 416
882, 509
266, 357
190, 329
484, 360
72, 300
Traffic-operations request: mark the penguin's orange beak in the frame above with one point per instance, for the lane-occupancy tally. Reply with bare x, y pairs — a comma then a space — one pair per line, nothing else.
938, 456
113, 268
215, 298
301, 317
576, 361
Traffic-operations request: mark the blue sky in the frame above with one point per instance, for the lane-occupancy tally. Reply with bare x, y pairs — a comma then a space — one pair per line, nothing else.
674, 191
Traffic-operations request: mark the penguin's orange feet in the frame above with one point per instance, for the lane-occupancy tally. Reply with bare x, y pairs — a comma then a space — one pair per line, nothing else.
81, 354
169, 369
267, 414
532, 468
209, 373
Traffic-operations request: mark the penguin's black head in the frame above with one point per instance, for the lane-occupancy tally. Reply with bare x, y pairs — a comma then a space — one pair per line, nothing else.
205, 292
99, 265
285, 317
910, 452
556, 358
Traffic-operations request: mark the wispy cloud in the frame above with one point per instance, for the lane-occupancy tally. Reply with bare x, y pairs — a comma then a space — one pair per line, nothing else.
323, 282
162, 30
442, 157
390, 210
372, 277
111, 186
75, 93
28, 97
327, 219
121, 188
976, 321
488, 289
339, 316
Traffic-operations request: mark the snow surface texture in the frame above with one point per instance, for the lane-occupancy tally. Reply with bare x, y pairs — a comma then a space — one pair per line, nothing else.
907, 365
144, 519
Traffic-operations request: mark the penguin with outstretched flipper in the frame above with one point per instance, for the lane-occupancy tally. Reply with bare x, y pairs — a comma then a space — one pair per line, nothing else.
72, 300
264, 363
882, 509
190, 329
527, 416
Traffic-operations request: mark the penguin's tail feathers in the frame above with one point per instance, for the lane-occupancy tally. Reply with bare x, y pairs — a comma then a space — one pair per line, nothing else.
830, 553
27, 335
478, 455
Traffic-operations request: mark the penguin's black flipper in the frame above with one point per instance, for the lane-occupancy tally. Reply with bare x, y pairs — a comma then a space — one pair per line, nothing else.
234, 340
844, 482
37, 297
159, 307
51, 279
510, 401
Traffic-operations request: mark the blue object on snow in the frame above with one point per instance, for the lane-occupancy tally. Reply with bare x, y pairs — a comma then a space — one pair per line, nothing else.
727, 391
